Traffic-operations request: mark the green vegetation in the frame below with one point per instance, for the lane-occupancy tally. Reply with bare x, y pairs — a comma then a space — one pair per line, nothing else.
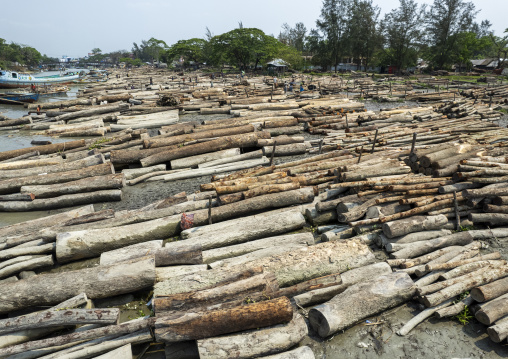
22, 54
98, 143
465, 316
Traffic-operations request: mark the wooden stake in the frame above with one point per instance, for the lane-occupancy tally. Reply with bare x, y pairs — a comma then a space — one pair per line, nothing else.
320, 146
374, 143
457, 217
360, 158
413, 144
209, 211
273, 152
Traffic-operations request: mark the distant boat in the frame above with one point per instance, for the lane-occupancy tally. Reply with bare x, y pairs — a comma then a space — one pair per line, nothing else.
14, 99
9, 79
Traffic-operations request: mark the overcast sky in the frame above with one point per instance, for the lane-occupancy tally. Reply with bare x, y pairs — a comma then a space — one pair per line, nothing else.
71, 28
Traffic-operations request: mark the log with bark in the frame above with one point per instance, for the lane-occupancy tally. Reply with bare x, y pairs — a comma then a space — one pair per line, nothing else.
361, 301
414, 224
187, 326
490, 291
58, 318
43, 149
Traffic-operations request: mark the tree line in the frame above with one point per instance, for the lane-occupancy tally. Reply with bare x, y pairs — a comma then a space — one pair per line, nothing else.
347, 31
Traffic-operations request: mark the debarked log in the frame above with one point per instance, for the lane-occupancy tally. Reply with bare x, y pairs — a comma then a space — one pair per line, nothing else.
490, 291
43, 149
419, 248
361, 301
98, 282
298, 353
243, 140
242, 229
91, 243
67, 200
187, 326
254, 343
14, 184
491, 311
29, 264
414, 224
499, 332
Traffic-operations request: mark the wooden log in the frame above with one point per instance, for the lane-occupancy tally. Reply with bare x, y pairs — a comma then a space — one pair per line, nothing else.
66, 166
15, 184
500, 200
98, 282
212, 323
96, 110
348, 278
242, 157
241, 230
426, 313
361, 301
90, 218
454, 309
286, 150
194, 161
243, 140
122, 352
414, 224
166, 273
222, 297
490, 291
43, 150
31, 248
254, 343
96, 183
419, 248
492, 218
451, 265
272, 188
91, 243
21, 163
471, 280
175, 140
68, 200
40, 223
298, 353
17, 197
58, 318
450, 188
427, 159
492, 311
45, 261
499, 331
220, 253
131, 173
126, 253
421, 236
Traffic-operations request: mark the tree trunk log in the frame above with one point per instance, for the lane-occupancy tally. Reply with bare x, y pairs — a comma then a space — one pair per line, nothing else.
492, 311
90, 243
14, 184
419, 248
66, 166
451, 265
130, 252
490, 291
217, 254
212, 323
455, 308
298, 353
96, 183
58, 318
98, 282
95, 110
45, 261
218, 297
361, 301
166, 273
499, 332
68, 200
43, 149
195, 161
349, 278
255, 343
471, 280
413, 224
241, 230
421, 317
494, 219
243, 140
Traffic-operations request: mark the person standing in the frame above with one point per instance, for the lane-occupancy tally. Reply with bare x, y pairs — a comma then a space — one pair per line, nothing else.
275, 81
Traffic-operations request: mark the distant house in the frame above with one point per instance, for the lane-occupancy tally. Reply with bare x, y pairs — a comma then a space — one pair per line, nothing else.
277, 66
485, 64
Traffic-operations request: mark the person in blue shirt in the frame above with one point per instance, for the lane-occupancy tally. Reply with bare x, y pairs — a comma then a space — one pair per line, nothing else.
301, 88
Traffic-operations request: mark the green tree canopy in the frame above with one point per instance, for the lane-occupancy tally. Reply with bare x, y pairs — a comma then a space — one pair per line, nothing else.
189, 50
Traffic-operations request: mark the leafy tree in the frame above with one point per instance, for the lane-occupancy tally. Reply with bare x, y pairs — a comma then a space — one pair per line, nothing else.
96, 51
243, 47
150, 50
402, 33
445, 20
364, 37
333, 24
500, 48
317, 46
190, 50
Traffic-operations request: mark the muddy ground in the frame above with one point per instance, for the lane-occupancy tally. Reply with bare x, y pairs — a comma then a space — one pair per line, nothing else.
434, 338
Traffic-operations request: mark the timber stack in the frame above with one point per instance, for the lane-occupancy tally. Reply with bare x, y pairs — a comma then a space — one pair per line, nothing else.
229, 267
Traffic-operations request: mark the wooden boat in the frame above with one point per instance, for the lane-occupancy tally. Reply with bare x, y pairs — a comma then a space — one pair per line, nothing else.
11, 99
9, 79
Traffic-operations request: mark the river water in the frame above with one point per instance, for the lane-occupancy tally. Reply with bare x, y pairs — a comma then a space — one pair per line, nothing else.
13, 140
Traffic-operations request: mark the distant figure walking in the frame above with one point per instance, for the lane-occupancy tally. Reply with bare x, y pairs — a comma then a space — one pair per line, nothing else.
275, 81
